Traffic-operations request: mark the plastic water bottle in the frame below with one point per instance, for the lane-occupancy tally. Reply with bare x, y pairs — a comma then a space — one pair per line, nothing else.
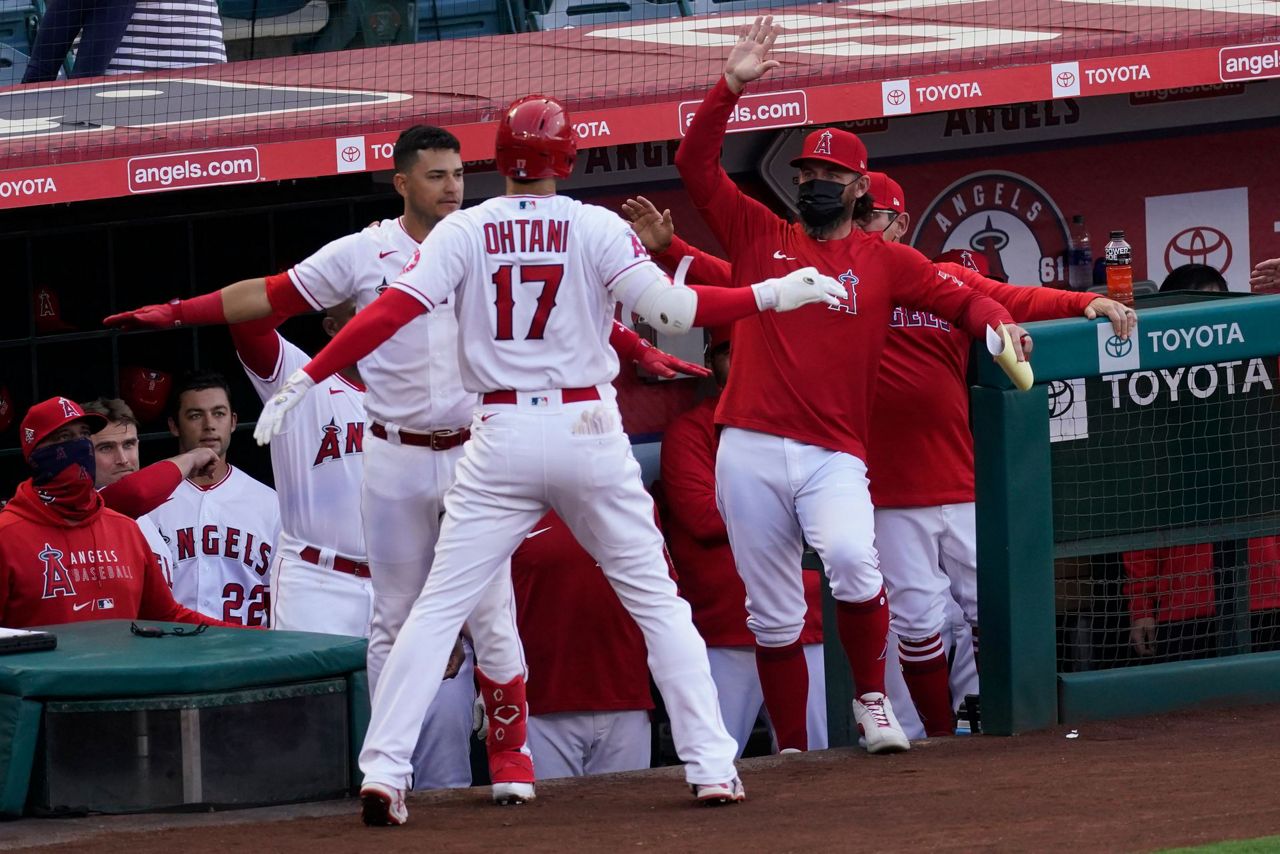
1079, 256
1118, 257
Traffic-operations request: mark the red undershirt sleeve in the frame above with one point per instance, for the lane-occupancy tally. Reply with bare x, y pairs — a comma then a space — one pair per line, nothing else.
367, 331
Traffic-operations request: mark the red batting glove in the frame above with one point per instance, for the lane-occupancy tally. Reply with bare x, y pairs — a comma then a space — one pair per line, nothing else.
162, 316
665, 365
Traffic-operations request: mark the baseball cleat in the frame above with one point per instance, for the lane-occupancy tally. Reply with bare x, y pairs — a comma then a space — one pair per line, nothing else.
511, 794
881, 732
717, 794
382, 806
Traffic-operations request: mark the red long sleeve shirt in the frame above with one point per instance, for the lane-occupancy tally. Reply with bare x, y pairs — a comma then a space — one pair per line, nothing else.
101, 569
810, 374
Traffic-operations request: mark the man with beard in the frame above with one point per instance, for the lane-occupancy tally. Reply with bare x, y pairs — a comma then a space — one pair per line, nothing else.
64, 557
791, 463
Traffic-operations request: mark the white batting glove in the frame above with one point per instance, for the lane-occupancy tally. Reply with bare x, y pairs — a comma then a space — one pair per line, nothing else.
271, 421
798, 288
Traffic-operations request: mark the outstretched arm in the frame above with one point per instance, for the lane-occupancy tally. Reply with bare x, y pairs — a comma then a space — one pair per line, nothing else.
367, 331
630, 347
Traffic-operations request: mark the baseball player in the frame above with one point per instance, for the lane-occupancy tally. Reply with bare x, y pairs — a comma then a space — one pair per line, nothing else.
320, 575
921, 469
589, 700
64, 556
415, 434
709, 579
221, 526
790, 467
534, 278
125, 487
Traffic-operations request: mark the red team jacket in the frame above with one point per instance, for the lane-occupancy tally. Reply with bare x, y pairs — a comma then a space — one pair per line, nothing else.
102, 569
699, 543
810, 374
1176, 583
585, 653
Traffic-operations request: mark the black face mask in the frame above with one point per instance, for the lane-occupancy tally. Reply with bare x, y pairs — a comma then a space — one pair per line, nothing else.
821, 202
50, 461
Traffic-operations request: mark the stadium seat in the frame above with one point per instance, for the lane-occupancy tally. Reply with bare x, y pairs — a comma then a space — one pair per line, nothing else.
293, 19
18, 24
13, 65
456, 19
557, 14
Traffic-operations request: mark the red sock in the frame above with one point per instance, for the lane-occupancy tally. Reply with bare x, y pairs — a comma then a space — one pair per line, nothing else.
864, 634
924, 667
784, 680
508, 713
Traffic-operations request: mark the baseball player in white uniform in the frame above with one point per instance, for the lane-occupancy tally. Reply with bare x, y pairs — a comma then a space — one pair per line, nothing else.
413, 434
535, 278
320, 576
220, 527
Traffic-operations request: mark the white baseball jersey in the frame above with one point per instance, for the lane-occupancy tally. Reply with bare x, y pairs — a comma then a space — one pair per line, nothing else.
527, 272
412, 379
221, 538
159, 547
318, 459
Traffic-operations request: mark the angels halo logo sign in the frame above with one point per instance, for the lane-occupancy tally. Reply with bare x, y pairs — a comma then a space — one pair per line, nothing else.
1006, 218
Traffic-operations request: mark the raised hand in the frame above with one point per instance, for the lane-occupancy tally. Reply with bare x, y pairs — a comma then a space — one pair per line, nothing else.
747, 60
654, 228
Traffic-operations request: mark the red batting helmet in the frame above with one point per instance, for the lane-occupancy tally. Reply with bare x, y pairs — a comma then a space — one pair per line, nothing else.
146, 391
535, 139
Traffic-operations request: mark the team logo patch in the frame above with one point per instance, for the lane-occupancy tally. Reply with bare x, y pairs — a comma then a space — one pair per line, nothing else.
528, 205
28, 435
1004, 217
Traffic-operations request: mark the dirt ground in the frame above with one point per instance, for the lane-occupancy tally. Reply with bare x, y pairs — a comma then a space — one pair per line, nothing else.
1135, 785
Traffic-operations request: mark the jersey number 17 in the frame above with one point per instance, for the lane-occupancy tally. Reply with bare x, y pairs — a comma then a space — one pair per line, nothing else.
506, 279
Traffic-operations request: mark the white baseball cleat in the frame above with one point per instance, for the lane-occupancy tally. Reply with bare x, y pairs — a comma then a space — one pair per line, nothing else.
382, 805
510, 794
717, 794
881, 732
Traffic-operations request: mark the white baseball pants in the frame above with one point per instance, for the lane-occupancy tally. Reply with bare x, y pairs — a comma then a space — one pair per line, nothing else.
574, 744
310, 598
928, 555
741, 700
775, 494
521, 459
402, 500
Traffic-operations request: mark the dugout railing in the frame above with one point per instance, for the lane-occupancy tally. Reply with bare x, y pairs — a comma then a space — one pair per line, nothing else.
1173, 444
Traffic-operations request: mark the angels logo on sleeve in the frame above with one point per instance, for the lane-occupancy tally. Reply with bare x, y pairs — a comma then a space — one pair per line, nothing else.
413, 262
1005, 220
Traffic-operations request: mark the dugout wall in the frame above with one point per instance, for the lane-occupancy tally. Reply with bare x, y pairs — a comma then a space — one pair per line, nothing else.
1167, 440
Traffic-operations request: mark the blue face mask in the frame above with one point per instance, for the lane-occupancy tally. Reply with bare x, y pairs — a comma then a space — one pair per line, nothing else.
52, 460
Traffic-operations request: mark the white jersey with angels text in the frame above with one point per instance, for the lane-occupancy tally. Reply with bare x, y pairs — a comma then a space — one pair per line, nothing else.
533, 276
158, 546
412, 379
221, 538
318, 459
